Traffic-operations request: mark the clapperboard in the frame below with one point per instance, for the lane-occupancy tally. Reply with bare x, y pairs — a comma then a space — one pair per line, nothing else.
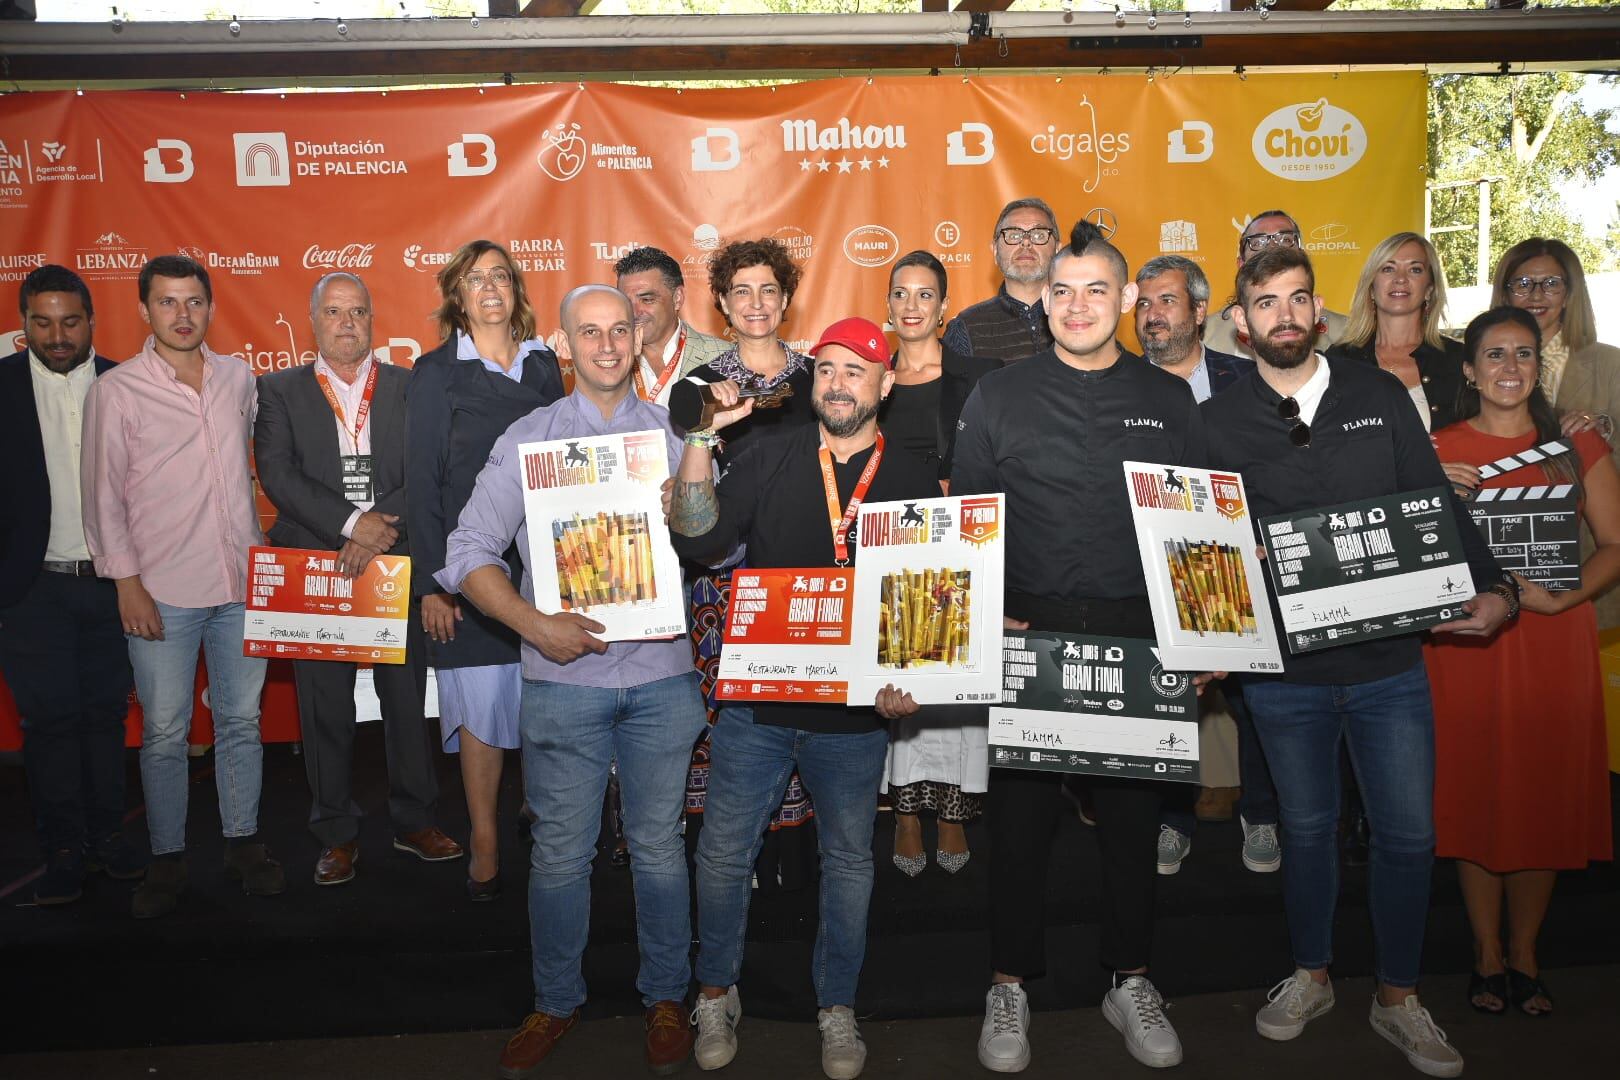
1534, 531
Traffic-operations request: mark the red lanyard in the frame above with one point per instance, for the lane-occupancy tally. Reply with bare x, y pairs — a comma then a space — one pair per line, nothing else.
361, 413
663, 378
841, 522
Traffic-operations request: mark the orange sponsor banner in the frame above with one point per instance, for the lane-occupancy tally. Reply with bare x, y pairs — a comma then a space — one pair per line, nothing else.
787, 635
301, 607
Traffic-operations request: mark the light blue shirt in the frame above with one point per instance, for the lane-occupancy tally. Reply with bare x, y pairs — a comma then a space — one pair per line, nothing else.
466, 350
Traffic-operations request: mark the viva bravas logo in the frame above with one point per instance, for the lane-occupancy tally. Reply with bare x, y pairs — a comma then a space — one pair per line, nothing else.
1309, 141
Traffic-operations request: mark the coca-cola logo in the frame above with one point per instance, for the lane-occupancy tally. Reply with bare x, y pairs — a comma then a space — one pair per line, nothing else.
347, 257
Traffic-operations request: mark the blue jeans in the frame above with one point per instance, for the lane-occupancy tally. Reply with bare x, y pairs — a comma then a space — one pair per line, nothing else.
166, 680
1257, 796
1388, 725
571, 736
749, 766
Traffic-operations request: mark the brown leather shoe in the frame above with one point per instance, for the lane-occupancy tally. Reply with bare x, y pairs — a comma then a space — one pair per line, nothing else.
537, 1037
336, 864
669, 1037
1216, 803
429, 845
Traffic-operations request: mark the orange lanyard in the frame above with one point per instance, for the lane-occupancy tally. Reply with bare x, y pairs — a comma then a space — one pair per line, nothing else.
663, 378
841, 521
361, 413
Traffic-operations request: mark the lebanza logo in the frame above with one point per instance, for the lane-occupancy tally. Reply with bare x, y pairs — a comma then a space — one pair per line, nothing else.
1309, 141
562, 152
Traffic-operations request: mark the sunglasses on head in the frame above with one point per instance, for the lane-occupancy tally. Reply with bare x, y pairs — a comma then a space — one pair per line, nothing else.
1300, 433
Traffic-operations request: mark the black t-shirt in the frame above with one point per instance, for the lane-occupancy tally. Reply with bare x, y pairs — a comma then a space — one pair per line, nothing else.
772, 498
910, 418
1054, 439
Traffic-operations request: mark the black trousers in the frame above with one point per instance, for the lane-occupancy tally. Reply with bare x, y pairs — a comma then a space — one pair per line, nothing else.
326, 715
66, 660
1023, 808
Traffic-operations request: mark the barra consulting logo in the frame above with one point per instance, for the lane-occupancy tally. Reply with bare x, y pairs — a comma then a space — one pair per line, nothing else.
1309, 141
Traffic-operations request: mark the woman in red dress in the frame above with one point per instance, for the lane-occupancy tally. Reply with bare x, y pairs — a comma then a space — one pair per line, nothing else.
1521, 775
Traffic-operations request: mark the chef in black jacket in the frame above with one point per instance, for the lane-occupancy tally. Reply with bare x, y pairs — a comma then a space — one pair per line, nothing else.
792, 497
1305, 433
1052, 433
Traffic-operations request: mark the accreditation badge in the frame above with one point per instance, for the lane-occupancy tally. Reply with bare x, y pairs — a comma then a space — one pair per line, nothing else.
357, 479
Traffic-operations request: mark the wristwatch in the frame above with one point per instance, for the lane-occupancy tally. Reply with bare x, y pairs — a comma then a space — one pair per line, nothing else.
1510, 593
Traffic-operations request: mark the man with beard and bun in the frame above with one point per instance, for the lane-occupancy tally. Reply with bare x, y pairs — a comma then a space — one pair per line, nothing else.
1305, 436
670, 346
1052, 433
1172, 300
62, 648
793, 499
1011, 324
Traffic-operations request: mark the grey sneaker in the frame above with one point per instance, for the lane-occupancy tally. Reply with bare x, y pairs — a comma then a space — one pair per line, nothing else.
716, 1020
1174, 846
1136, 1010
843, 1054
1261, 851
1410, 1027
1004, 1038
1292, 1004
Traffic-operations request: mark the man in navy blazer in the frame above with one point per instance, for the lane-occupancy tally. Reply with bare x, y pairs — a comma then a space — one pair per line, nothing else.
62, 646
329, 448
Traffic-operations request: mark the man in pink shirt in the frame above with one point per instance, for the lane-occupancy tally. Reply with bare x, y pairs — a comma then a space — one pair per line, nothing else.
169, 516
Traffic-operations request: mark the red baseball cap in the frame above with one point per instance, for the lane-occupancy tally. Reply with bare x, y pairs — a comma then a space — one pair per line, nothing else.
863, 337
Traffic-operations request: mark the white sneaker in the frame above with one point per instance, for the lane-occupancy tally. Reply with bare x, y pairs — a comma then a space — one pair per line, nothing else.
1136, 1010
1410, 1027
1262, 852
843, 1054
1004, 1038
716, 1020
1174, 845
1292, 1004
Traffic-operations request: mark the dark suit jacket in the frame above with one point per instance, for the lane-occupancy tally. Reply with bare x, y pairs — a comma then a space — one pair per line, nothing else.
959, 375
1224, 369
25, 489
296, 452
455, 412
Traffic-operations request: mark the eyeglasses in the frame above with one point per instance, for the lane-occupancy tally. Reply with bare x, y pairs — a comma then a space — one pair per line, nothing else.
1040, 237
1300, 433
1261, 241
477, 279
1524, 286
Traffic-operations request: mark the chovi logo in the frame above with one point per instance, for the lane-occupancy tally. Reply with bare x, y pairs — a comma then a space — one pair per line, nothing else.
1309, 141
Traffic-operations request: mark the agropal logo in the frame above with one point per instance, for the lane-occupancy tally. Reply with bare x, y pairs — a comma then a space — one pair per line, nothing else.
1309, 141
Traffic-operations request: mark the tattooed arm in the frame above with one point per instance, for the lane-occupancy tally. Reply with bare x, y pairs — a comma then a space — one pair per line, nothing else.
708, 520
694, 508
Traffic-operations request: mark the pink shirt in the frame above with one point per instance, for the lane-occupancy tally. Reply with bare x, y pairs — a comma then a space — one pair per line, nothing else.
168, 490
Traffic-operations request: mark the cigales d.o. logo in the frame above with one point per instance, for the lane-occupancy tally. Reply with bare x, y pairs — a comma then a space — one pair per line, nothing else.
1309, 141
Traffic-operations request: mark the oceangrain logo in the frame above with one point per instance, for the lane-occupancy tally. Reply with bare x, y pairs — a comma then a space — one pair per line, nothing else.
1309, 141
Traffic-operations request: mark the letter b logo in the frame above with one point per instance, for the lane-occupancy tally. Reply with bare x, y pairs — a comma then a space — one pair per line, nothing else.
1192, 142
159, 173
703, 158
482, 147
956, 145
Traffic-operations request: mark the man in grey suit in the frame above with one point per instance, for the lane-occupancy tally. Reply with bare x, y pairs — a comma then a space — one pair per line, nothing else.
670, 347
329, 443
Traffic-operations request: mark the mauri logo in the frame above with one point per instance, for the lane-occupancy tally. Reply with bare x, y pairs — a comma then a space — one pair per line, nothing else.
871, 245
1309, 141
983, 149
704, 158
1192, 142
474, 155
1178, 235
262, 159
158, 170
562, 152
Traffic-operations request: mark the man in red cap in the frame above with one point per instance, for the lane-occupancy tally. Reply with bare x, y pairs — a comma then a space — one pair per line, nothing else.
793, 500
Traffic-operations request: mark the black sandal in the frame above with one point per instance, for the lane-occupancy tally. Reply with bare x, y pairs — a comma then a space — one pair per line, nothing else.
1522, 989
1495, 985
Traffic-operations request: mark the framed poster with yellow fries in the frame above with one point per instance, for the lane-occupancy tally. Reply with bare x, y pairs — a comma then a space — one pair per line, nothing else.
1205, 584
598, 544
928, 597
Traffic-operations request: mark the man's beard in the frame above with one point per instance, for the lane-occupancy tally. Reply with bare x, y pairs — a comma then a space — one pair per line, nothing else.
1173, 349
1012, 272
1285, 355
844, 427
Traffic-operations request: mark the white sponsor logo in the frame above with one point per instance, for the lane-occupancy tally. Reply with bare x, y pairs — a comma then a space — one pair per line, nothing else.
1178, 236
1330, 238
158, 170
808, 137
46, 164
704, 158
365, 158
17, 267
426, 261
706, 236
562, 152
1309, 141
262, 159
947, 234
247, 264
982, 149
1192, 142
625, 157
11, 174
1104, 219
538, 254
347, 257
871, 245
1087, 144
110, 256
800, 244
474, 155
53, 151
612, 253
192, 252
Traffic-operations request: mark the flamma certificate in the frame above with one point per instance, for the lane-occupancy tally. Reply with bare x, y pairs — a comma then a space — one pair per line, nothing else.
597, 540
300, 607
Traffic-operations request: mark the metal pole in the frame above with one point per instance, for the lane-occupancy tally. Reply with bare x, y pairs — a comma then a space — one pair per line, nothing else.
1484, 273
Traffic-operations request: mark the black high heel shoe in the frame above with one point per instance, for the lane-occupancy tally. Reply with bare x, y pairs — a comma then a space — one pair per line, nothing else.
1522, 988
1495, 985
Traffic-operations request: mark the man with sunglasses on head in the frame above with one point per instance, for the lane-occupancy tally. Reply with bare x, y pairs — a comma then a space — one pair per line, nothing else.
1266, 231
1305, 435
1012, 324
